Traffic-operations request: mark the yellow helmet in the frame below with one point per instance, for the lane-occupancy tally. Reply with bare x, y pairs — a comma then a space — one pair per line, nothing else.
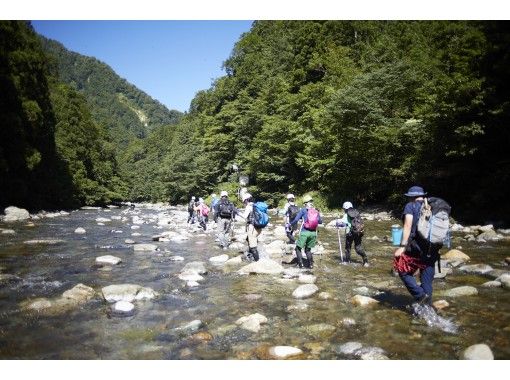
307, 198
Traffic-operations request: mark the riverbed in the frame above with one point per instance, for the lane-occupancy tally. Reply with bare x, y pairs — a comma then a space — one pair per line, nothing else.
44, 258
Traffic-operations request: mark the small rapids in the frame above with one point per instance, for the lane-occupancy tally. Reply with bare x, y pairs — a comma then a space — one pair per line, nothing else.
429, 315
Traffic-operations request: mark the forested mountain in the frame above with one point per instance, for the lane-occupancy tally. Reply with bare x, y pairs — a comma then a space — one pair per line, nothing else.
52, 154
356, 110
126, 111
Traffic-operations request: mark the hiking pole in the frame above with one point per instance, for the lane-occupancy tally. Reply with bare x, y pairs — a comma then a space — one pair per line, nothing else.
340, 244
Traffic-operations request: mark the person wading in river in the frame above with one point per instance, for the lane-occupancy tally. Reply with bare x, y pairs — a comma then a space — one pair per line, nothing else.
251, 231
308, 233
191, 210
290, 211
224, 215
354, 231
409, 257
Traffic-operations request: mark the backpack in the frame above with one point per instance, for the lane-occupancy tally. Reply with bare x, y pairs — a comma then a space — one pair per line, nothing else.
214, 202
204, 209
357, 224
260, 216
292, 211
433, 223
226, 209
312, 219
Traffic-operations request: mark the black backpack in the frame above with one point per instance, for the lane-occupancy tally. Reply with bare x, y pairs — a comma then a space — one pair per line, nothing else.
226, 209
292, 211
357, 224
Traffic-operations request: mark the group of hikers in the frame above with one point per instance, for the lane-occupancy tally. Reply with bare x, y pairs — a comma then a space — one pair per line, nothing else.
425, 223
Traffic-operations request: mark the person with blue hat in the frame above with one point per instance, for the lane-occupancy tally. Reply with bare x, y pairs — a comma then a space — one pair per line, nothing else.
408, 258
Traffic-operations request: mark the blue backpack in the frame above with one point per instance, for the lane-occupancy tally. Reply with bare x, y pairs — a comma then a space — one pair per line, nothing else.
260, 216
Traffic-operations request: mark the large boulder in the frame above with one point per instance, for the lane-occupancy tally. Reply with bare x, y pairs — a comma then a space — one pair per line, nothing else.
15, 214
455, 255
477, 352
505, 280
488, 236
263, 266
219, 259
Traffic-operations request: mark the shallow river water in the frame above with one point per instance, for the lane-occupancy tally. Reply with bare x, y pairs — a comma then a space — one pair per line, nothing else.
317, 326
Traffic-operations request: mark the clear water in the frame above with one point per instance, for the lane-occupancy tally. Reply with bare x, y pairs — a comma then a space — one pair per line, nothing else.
91, 331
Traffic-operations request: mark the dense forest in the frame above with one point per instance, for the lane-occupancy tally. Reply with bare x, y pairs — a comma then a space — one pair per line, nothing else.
355, 110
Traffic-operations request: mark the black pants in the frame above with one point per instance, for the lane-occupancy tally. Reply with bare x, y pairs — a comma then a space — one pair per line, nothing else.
349, 239
290, 235
191, 216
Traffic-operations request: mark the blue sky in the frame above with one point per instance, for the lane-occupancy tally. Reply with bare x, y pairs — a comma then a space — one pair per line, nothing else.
169, 60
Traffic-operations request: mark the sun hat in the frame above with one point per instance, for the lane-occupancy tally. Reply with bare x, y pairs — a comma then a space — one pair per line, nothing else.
307, 198
246, 196
290, 196
415, 191
223, 194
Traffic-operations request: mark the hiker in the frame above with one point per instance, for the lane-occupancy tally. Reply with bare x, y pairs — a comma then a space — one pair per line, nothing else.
191, 210
308, 234
214, 201
410, 257
354, 230
289, 213
202, 212
224, 214
252, 231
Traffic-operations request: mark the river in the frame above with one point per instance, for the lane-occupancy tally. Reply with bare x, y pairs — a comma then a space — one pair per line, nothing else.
320, 326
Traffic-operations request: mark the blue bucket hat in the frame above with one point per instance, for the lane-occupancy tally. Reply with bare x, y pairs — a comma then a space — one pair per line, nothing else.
415, 191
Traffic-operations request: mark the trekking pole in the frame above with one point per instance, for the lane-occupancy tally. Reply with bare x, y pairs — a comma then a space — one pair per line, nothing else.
340, 244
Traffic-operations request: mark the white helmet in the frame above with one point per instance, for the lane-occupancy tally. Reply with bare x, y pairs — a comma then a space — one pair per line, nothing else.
246, 196
193, 198
213, 195
347, 205
290, 196
223, 194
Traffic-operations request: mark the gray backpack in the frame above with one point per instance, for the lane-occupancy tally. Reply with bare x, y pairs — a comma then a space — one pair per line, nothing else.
434, 224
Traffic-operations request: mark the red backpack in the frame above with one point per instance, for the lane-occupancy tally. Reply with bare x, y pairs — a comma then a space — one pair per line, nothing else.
312, 221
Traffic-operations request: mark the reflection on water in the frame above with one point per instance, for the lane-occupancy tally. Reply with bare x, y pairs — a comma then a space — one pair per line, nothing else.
320, 326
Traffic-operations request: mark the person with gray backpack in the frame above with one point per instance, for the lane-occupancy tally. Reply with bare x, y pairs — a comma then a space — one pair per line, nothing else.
426, 227
354, 230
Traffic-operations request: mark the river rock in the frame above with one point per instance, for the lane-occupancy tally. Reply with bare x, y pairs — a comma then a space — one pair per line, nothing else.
360, 300
176, 258
129, 241
298, 307
219, 259
80, 231
7, 231
455, 255
348, 348
320, 329
477, 352
276, 247
123, 307
348, 322
252, 322
459, 291
292, 272
505, 280
283, 352
492, 284
190, 276
103, 220
6, 278
195, 266
238, 247
476, 268
486, 228
145, 247
202, 336
441, 304
80, 293
127, 292
263, 266
305, 291
192, 326
15, 214
507, 260
488, 236
371, 353
307, 279
234, 261
325, 296
44, 241
192, 284
108, 259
